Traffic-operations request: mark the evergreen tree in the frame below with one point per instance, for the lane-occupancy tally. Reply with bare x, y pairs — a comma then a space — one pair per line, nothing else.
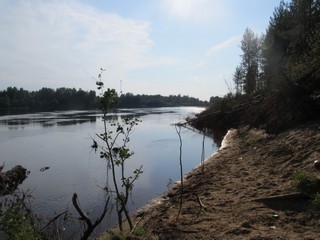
291, 44
251, 60
275, 45
238, 79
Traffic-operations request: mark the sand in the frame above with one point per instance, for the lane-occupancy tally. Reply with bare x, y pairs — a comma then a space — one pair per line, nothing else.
226, 198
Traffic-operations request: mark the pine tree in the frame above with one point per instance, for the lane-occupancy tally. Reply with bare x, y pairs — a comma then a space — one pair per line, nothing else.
251, 60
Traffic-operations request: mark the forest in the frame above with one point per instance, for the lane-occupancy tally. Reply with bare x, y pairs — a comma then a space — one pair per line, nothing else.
47, 99
287, 54
277, 82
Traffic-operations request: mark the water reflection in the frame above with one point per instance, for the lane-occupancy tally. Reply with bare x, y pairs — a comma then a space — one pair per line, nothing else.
64, 118
46, 119
62, 141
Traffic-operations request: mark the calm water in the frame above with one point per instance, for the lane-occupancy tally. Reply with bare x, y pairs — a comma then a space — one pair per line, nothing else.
62, 140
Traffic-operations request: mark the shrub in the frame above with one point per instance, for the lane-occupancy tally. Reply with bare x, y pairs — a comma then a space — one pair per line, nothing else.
16, 219
307, 183
316, 200
138, 233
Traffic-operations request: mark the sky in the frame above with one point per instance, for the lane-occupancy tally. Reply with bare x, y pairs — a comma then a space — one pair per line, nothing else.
167, 47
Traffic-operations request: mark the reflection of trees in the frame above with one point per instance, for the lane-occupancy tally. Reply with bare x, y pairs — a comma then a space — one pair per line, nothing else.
57, 120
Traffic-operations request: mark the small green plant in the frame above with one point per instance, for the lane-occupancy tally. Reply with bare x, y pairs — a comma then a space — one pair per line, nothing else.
115, 236
138, 233
316, 200
16, 219
307, 183
251, 142
254, 140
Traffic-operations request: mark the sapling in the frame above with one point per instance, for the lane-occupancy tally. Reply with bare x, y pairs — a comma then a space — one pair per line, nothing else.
113, 147
178, 130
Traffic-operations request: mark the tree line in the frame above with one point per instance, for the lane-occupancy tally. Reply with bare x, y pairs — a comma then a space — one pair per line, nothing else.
47, 99
130, 100
287, 54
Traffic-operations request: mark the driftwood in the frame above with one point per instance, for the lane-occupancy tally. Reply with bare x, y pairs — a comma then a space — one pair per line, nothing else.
290, 196
10, 180
90, 225
55, 218
202, 206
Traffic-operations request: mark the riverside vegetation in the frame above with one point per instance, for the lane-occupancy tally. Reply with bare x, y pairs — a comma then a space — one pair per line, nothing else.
248, 190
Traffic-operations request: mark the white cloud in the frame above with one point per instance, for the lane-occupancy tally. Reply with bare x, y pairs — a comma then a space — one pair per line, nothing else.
223, 45
195, 10
59, 41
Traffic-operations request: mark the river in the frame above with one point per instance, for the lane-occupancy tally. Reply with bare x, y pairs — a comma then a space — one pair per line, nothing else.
62, 140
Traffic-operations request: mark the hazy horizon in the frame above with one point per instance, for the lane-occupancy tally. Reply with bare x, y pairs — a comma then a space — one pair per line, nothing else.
187, 47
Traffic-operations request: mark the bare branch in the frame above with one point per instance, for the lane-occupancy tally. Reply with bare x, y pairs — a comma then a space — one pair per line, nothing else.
81, 213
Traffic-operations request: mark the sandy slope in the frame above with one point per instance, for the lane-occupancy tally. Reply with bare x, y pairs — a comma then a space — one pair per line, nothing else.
253, 165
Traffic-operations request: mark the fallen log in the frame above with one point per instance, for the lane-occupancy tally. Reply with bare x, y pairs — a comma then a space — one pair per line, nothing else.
10, 180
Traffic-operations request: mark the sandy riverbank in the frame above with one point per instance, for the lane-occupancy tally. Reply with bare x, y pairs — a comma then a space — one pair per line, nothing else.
253, 165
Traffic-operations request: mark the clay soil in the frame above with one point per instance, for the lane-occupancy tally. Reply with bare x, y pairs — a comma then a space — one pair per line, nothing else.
240, 193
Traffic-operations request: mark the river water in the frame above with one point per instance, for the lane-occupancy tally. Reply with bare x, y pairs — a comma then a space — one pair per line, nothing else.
62, 140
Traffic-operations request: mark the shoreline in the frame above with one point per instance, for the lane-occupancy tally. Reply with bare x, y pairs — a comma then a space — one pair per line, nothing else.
226, 141
221, 202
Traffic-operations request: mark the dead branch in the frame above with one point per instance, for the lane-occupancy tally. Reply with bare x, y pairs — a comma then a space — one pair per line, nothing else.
90, 226
200, 202
178, 130
290, 196
202, 208
55, 218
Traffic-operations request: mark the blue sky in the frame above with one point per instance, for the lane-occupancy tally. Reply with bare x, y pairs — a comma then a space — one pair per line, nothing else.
187, 47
